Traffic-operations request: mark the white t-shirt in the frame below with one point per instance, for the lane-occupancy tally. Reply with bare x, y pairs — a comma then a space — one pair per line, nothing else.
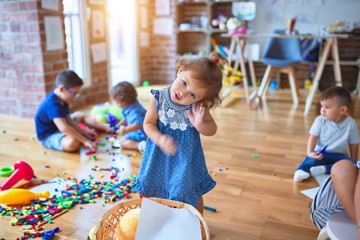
337, 136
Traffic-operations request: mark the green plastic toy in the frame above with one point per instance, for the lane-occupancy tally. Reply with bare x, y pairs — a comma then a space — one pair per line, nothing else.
106, 113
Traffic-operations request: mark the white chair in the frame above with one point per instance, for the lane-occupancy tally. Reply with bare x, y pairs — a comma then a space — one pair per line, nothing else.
338, 227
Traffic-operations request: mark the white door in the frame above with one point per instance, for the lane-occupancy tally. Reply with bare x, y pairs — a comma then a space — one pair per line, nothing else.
122, 35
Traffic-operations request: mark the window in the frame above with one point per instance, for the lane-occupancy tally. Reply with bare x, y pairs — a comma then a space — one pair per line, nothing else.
75, 32
122, 41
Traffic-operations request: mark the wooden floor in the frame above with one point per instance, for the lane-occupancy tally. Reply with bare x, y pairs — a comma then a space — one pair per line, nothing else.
255, 197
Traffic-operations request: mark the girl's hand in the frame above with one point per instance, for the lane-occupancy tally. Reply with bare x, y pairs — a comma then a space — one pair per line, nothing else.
315, 155
121, 130
166, 144
196, 117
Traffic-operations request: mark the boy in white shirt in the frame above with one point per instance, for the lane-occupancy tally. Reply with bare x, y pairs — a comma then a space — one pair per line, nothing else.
334, 129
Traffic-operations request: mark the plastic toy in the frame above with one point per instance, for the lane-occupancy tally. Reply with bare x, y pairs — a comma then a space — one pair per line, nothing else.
307, 84
218, 47
106, 113
221, 50
232, 79
116, 144
6, 171
22, 171
146, 83
17, 196
210, 209
50, 234
273, 85
323, 150
90, 152
127, 228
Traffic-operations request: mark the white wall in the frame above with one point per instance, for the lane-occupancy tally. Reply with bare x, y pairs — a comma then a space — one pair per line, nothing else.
313, 15
271, 14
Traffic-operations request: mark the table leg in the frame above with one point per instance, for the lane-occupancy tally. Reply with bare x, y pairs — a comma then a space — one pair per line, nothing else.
251, 68
336, 62
265, 82
236, 64
357, 90
293, 84
232, 49
231, 53
243, 69
319, 71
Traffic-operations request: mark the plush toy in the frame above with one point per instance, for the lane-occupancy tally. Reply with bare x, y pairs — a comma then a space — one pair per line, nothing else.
233, 23
126, 230
220, 21
106, 113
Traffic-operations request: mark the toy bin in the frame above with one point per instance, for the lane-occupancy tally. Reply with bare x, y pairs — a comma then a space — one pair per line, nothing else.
106, 227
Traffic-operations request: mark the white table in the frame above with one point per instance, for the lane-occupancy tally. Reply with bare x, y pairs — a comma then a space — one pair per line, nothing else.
331, 43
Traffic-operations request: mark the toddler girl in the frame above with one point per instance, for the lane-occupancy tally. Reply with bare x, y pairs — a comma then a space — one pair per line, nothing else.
173, 165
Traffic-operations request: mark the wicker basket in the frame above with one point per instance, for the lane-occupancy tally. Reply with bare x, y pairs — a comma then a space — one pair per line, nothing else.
106, 227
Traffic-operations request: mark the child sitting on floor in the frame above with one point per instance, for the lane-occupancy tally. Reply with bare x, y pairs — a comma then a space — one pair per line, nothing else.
55, 127
131, 126
340, 192
334, 129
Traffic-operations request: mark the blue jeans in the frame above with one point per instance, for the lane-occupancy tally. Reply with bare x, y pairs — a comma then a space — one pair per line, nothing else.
328, 161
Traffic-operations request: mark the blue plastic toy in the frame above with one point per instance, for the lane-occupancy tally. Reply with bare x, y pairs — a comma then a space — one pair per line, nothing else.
50, 234
323, 150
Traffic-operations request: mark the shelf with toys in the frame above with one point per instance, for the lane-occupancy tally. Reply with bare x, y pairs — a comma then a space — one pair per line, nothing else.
198, 22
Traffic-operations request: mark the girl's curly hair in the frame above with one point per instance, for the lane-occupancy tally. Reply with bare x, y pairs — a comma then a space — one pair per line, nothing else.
206, 71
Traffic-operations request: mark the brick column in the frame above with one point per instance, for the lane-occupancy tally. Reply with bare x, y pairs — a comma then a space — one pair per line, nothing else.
27, 70
22, 78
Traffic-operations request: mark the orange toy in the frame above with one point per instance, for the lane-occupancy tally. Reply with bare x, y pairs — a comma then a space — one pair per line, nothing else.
19, 196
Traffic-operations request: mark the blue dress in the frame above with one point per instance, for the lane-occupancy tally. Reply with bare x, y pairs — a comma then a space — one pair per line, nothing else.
184, 176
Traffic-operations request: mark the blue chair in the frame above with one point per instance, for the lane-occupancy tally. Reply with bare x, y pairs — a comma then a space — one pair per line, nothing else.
281, 54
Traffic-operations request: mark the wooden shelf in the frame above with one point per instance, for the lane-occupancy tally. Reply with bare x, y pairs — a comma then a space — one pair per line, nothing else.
199, 14
201, 30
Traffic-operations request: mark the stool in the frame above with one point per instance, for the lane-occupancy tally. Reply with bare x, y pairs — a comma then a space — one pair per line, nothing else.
338, 227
